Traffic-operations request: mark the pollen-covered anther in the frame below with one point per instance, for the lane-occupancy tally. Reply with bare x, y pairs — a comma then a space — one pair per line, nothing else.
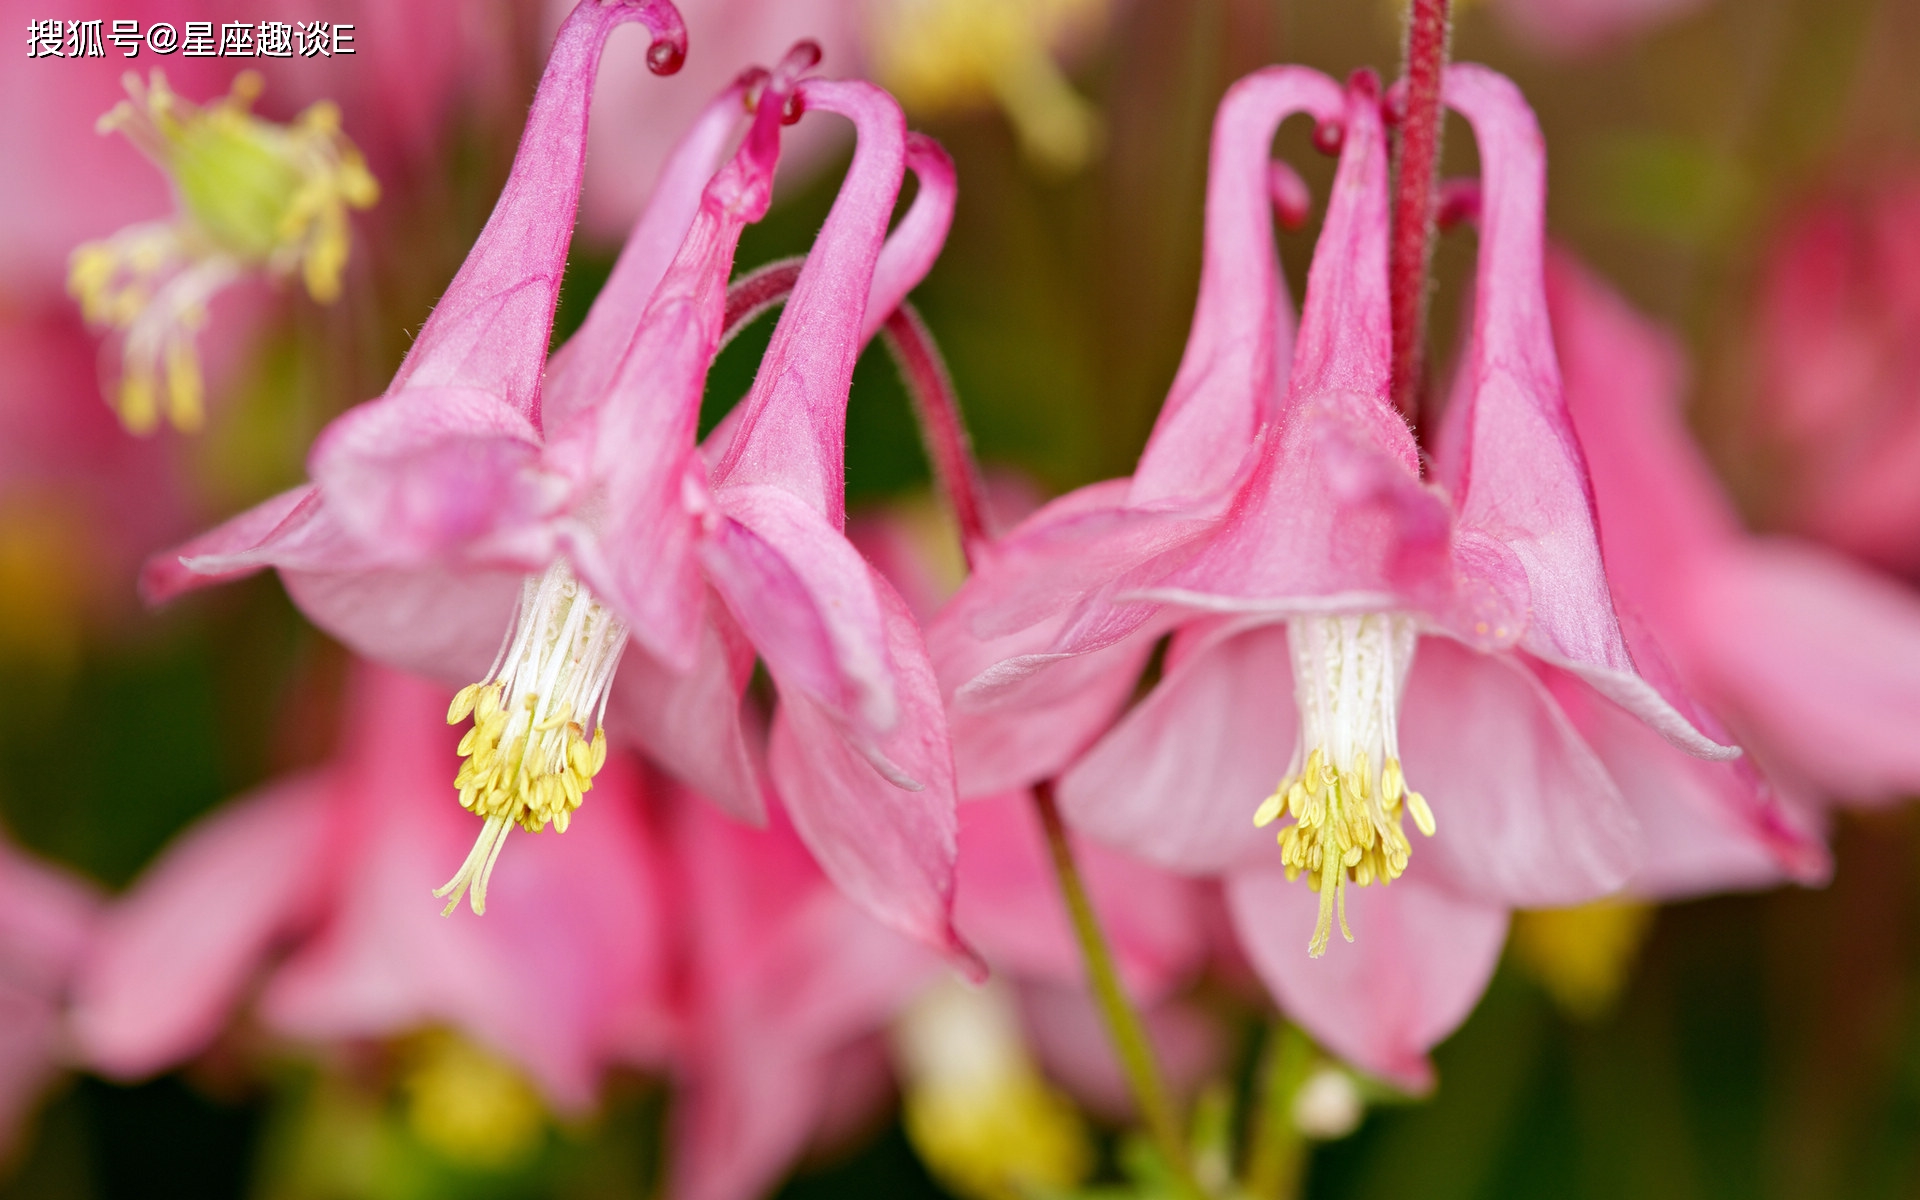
1347, 798
529, 759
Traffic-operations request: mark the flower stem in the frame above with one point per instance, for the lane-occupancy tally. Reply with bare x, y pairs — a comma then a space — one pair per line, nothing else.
1123, 1023
1428, 30
945, 434
935, 403
1278, 1156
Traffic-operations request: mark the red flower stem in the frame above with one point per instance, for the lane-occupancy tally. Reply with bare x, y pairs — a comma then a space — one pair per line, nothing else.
1414, 191
938, 408
1123, 1023
935, 403
756, 292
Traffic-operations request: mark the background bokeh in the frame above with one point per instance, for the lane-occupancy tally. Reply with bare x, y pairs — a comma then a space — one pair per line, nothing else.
1761, 1046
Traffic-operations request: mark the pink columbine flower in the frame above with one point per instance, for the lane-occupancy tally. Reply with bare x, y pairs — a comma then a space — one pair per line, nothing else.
1339, 622
1812, 660
305, 895
579, 519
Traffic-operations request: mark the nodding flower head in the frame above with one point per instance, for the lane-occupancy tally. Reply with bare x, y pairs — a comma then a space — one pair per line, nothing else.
253, 196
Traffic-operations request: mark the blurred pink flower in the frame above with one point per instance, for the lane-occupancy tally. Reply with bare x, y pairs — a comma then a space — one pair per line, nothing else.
1297, 556
310, 898
47, 920
1838, 341
783, 989
1812, 660
1569, 27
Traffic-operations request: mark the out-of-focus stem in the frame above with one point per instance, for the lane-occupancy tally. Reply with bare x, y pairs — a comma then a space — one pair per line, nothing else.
1124, 1026
1428, 30
1278, 1157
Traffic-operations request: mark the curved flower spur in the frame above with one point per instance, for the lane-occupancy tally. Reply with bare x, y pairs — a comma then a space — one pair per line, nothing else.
468, 494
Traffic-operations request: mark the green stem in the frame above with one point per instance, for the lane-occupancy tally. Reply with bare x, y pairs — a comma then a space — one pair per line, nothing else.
1123, 1023
1278, 1156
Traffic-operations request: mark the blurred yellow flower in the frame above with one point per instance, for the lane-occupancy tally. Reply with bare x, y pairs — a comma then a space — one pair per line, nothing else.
252, 196
976, 1109
1582, 955
941, 56
469, 1106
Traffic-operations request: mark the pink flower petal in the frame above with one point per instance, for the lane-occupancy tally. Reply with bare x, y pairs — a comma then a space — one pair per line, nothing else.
445, 625
889, 849
1178, 779
1527, 816
491, 326
1707, 826
433, 472
1820, 659
1421, 956
1033, 715
1008, 904
1508, 448
691, 722
176, 954
792, 432
1236, 362
228, 551
808, 602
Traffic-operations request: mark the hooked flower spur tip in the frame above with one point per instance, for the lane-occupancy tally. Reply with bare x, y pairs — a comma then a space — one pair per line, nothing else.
666, 57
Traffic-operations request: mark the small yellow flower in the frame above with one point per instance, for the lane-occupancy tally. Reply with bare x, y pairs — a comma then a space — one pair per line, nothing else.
252, 197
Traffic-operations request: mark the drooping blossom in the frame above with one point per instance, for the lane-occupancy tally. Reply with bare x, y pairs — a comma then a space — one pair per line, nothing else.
1837, 339
471, 491
308, 898
1338, 622
1812, 660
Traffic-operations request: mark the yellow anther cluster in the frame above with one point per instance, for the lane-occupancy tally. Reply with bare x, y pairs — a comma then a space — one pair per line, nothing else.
523, 767
1345, 829
518, 767
254, 196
